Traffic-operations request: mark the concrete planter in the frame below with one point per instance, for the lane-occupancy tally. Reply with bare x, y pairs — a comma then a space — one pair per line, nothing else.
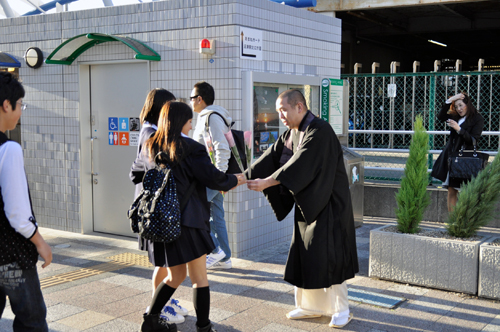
426, 261
489, 270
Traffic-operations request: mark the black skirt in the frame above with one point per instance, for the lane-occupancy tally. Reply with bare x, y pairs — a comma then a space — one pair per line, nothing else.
454, 182
192, 244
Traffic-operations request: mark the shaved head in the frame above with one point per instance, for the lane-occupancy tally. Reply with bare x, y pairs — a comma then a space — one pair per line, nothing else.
293, 97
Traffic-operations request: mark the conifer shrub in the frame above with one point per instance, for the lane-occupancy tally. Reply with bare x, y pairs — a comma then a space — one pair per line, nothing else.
412, 198
476, 202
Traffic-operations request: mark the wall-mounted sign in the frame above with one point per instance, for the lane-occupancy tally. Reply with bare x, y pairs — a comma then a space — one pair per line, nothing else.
124, 124
123, 131
250, 44
134, 139
391, 90
332, 103
123, 138
134, 124
112, 123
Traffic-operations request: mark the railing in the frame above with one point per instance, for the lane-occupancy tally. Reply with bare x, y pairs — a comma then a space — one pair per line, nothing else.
380, 127
388, 153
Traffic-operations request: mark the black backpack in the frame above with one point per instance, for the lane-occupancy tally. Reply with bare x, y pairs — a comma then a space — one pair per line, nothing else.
239, 141
156, 212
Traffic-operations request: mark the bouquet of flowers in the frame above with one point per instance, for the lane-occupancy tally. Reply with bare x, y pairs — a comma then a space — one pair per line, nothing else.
248, 149
209, 145
210, 149
234, 149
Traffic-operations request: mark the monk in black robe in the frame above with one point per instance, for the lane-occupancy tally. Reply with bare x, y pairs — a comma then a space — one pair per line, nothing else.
305, 169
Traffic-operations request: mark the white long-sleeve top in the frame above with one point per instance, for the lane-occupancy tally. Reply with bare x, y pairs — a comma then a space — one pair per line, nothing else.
14, 189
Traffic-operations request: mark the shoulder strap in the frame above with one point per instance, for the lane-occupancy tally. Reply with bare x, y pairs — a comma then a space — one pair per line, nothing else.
192, 185
208, 117
474, 144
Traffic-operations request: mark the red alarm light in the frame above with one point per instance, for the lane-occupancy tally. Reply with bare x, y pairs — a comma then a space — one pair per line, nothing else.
205, 43
207, 46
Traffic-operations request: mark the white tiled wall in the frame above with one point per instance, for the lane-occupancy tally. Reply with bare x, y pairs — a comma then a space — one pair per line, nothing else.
295, 42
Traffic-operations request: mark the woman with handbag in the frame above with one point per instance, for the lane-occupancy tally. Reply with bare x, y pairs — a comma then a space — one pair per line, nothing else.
465, 123
156, 98
190, 163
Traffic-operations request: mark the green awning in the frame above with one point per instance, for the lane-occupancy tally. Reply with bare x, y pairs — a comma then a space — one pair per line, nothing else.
71, 49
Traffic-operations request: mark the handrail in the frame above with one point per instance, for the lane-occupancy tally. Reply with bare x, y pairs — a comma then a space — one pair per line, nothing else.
410, 132
491, 153
441, 73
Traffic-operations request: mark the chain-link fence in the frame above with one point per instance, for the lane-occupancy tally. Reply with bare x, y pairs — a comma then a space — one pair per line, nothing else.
390, 102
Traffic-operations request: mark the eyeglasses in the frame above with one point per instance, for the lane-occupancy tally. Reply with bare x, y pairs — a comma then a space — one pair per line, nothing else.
193, 97
23, 105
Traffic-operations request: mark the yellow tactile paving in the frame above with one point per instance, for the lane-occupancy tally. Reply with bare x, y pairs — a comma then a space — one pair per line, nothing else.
82, 273
134, 259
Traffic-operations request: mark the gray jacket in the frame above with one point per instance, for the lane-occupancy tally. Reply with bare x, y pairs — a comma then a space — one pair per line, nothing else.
217, 129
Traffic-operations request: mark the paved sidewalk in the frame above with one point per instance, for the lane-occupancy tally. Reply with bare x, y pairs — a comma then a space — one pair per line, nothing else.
101, 283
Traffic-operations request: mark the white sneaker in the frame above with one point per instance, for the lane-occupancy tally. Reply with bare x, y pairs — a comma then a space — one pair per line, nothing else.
214, 258
177, 307
169, 315
222, 265
301, 314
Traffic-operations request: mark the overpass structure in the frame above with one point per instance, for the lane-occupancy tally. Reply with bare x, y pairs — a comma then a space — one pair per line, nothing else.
405, 31
344, 5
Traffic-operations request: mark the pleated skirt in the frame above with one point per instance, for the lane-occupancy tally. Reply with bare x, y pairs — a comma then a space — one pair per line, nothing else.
192, 244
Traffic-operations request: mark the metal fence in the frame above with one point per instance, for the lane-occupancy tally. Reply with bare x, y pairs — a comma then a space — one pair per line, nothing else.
381, 119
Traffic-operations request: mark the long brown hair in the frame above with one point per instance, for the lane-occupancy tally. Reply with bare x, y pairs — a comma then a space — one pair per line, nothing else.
471, 110
173, 116
155, 100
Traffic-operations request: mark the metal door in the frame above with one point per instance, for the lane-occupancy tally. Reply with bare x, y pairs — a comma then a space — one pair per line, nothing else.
117, 94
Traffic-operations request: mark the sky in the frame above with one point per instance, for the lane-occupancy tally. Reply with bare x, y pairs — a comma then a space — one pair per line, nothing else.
23, 6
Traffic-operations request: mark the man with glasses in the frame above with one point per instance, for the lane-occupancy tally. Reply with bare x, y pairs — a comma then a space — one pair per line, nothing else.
20, 240
202, 99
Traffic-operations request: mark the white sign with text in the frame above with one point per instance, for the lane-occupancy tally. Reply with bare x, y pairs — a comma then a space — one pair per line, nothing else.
250, 44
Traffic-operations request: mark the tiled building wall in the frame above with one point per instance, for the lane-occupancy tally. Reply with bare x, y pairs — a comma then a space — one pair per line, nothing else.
295, 42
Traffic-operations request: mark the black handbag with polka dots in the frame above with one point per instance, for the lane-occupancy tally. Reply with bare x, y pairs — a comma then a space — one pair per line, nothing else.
156, 213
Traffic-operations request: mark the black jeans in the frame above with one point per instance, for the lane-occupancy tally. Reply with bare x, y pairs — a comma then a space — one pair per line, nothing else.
25, 297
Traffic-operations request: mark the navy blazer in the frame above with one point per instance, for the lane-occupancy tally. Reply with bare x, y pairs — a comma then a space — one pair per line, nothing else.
196, 166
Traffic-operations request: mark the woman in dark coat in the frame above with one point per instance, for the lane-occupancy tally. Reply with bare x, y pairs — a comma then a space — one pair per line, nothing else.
189, 162
465, 122
156, 98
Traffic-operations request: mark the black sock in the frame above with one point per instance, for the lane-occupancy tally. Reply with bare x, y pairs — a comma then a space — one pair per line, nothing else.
201, 301
163, 293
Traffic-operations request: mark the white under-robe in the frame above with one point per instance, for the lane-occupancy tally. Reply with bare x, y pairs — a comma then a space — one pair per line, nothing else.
324, 301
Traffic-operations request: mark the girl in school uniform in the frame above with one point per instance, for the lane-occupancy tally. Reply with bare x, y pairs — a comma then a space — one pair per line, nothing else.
173, 312
189, 162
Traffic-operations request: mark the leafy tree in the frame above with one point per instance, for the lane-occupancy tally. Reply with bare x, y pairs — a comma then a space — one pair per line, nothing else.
476, 203
412, 198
